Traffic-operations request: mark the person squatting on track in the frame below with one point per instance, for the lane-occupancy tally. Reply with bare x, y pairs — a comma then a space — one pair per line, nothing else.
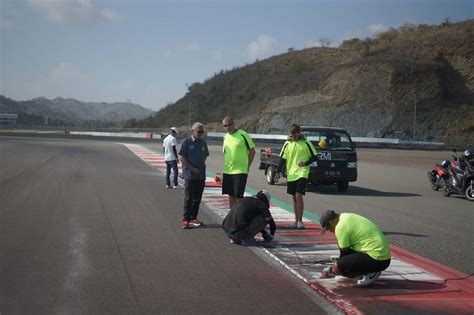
297, 154
171, 157
364, 250
193, 154
239, 152
248, 217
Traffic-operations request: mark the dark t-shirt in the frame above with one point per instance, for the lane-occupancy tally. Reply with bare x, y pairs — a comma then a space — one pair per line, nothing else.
243, 212
195, 152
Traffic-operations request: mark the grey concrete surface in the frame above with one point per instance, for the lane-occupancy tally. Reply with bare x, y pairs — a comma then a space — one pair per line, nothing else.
393, 191
88, 228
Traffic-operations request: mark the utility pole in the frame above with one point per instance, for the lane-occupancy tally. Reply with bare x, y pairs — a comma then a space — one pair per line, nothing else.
414, 119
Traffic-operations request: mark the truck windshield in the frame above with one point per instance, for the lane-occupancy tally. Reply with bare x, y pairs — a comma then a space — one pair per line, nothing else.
335, 140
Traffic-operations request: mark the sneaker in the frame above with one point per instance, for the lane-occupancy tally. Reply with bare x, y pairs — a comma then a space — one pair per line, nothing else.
185, 224
178, 187
235, 241
267, 237
292, 226
196, 222
168, 186
369, 278
300, 226
342, 278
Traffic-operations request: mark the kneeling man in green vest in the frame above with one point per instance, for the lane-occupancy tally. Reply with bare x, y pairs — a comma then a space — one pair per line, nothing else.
364, 250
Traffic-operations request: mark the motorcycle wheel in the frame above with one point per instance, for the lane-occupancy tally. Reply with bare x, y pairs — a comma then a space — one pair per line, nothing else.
434, 186
469, 193
445, 192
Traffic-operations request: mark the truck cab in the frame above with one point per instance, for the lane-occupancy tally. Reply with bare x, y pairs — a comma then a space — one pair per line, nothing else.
337, 158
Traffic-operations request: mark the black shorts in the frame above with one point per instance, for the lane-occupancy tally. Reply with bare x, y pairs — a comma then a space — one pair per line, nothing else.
234, 185
354, 263
297, 186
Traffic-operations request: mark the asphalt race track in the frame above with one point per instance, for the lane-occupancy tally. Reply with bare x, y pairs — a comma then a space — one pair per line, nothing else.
87, 227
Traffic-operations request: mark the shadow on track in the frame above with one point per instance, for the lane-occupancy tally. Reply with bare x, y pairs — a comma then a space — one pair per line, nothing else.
404, 234
357, 191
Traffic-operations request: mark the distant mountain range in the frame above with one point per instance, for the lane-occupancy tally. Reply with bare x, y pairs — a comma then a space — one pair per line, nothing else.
71, 110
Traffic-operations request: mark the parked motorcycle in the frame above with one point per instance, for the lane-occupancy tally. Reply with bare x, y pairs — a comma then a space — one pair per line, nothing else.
439, 174
459, 178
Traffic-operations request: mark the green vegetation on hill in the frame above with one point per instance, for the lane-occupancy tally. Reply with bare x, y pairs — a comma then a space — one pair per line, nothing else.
414, 82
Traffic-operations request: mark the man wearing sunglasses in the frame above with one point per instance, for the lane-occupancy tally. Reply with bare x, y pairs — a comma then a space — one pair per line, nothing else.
239, 152
193, 154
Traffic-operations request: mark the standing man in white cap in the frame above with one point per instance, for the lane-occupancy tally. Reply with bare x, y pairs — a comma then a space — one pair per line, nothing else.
171, 157
248, 217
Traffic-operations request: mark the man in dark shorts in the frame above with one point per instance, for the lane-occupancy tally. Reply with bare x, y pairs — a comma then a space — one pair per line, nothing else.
248, 217
364, 250
239, 152
297, 154
193, 154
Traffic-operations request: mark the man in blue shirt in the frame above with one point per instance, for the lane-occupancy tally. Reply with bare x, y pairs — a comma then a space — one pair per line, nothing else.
193, 154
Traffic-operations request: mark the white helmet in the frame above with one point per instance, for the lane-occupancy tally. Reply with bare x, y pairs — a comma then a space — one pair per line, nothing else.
174, 129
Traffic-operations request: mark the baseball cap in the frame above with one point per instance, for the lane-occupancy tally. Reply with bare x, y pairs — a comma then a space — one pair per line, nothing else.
174, 129
325, 218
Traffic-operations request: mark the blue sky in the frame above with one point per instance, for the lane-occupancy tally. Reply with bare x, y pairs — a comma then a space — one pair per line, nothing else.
149, 51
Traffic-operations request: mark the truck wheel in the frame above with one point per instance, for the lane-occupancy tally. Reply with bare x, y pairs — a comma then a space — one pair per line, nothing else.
469, 193
342, 186
271, 175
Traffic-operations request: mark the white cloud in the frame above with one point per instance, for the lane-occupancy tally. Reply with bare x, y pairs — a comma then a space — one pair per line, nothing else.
167, 53
64, 71
128, 84
369, 31
375, 29
72, 10
313, 43
261, 48
193, 47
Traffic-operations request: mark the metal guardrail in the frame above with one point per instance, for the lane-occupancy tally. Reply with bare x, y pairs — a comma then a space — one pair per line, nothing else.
359, 140
268, 138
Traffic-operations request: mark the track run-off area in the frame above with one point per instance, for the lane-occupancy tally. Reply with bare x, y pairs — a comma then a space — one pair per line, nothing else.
88, 226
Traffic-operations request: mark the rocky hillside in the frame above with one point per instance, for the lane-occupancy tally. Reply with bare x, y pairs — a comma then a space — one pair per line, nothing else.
66, 109
370, 87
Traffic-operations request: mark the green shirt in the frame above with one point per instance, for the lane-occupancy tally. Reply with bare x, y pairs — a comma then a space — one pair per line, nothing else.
236, 152
293, 152
361, 235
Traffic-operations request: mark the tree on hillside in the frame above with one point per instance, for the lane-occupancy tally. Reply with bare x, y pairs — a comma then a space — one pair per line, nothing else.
324, 42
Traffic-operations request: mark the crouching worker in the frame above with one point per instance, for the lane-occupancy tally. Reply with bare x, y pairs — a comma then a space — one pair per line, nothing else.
248, 217
364, 250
